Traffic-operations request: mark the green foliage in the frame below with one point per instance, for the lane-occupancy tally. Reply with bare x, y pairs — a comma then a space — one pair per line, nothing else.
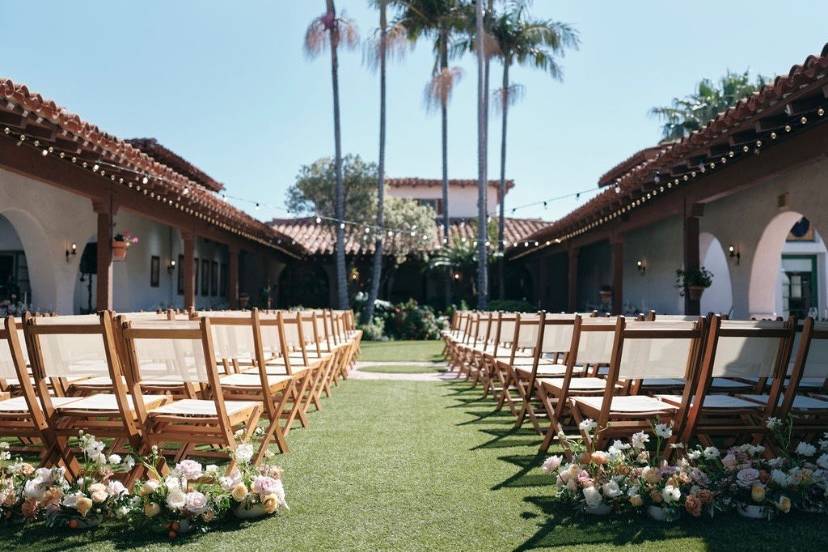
313, 191
408, 320
692, 112
700, 277
510, 305
375, 331
417, 220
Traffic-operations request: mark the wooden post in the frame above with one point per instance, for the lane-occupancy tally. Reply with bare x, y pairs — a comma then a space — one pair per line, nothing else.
691, 252
233, 276
103, 289
617, 244
572, 279
189, 273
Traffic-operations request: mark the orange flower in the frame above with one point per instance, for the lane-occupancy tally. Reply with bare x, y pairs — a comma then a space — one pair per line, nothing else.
693, 505
29, 508
705, 495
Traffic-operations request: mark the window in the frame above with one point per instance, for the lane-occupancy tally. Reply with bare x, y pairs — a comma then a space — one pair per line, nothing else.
225, 283
214, 283
205, 277
181, 274
195, 276
436, 204
155, 271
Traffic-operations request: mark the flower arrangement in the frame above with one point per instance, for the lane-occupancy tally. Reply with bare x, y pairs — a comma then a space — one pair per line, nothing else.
126, 237
190, 497
628, 477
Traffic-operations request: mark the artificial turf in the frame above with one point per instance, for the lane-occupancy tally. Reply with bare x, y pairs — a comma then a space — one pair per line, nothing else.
401, 351
393, 465
403, 368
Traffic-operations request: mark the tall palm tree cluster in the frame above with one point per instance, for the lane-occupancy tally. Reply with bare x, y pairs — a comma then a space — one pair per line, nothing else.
501, 30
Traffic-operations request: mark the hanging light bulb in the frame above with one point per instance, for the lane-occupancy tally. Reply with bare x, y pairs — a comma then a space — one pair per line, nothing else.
318, 220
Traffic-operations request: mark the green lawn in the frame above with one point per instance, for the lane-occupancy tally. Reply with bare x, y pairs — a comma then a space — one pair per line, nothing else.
402, 369
393, 465
401, 351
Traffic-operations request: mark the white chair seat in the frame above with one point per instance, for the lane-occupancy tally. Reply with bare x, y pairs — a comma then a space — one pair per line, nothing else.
251, 380
662, 382
578, 384
18, 404
628, 404
725, 383
200, 408
800, 402
545, 370
712, 401
105, 402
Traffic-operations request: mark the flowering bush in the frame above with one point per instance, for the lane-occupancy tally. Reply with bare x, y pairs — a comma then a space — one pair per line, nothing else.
629, 477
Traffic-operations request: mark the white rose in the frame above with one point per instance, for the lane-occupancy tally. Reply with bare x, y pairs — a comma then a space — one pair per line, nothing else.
587, 425
639, 440
196, 503
176, 498
694, 454
116, 488
611, 489
114, 459
711, 453
822, 461
244, 453
592, 496
663, 430
552, 464
805, 449
779, 477
671, 494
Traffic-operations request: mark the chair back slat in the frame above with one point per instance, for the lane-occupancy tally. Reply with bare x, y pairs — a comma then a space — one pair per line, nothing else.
658, 349
748, 349
527, 334
168, 351
595, 341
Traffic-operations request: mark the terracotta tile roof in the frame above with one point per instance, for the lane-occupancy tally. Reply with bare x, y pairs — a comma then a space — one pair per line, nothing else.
43, 119
437, 182
320, 239
638, 158
151, 147
764, 115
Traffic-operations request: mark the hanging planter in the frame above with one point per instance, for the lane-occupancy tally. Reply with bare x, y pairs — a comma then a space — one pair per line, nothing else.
693, 282
120, 244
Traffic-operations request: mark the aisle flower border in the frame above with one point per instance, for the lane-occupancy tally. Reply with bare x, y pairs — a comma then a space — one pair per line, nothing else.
628, 478
191, 497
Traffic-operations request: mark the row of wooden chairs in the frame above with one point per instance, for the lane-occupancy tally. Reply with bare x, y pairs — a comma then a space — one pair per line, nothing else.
711, 378
186, 382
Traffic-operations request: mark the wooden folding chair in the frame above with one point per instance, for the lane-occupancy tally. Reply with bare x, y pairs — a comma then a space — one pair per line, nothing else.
753, 350
182, 350
523, 348
641, 349
63, 348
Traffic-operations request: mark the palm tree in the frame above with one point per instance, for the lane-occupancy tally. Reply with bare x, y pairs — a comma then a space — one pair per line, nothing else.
482, 179
684, 115
525, 41
439, 20
390, 41
330, 31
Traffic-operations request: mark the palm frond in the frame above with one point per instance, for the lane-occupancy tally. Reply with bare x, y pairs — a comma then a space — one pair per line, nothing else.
439, 88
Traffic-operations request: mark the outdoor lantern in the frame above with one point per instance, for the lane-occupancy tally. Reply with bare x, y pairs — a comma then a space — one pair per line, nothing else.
171, 266
733, 253
71, 251
641, 265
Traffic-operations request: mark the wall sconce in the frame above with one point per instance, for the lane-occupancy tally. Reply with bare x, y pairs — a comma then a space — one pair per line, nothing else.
733, 253
641, 266
456, 275
171, 266
71, 251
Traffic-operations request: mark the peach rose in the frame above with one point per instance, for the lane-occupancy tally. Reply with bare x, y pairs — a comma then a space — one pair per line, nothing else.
784, 504
656, 497
29, 508
693, 505
757, 493
636, 501
239, 492
151, 509
83, 505
270, 503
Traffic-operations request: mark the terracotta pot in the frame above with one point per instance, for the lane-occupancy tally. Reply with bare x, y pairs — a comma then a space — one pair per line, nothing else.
119, 250
695, 292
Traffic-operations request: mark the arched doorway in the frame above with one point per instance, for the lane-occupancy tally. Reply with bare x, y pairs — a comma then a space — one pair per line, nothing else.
719, 296
789, 269
27, 269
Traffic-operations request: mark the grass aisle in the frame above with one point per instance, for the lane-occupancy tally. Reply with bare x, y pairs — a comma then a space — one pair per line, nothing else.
403, 369
392, 465
401, 351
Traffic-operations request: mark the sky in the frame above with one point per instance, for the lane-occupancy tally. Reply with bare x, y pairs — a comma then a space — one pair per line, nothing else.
228, 86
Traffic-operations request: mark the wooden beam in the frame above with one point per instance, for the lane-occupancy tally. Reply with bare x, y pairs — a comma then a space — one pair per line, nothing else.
617, 261
103, 289
189, 269
572, 279
233, 276
691, 256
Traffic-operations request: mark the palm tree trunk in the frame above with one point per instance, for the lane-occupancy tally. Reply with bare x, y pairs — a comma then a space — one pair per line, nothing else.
339, 200
444, 137
376, 272
501, 222
482, 181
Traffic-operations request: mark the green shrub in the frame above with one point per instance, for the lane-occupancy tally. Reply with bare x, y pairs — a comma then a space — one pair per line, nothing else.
410, 320
511, 305
375, 331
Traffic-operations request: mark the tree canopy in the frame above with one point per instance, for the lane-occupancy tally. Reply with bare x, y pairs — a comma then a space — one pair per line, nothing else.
692, 112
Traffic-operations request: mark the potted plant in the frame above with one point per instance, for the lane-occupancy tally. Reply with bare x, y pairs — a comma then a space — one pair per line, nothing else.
120, 244
606, 294
693, 282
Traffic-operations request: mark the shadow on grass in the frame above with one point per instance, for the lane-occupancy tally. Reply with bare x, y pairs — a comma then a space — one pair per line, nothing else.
562, 528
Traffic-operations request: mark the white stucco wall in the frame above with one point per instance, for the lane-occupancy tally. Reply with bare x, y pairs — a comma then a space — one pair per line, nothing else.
462, 200
47, 220
659, 247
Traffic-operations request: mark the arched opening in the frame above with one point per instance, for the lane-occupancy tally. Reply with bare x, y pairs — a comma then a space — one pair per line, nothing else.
27, 269
304, 284
85, 297
789, 268
719, 296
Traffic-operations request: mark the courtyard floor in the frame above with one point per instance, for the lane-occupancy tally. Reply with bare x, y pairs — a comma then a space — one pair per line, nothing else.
427, 465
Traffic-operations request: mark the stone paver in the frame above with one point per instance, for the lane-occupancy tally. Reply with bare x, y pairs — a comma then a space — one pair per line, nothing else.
435, 376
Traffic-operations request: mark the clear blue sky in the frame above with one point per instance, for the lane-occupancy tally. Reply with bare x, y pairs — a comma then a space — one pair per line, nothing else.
227, 85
